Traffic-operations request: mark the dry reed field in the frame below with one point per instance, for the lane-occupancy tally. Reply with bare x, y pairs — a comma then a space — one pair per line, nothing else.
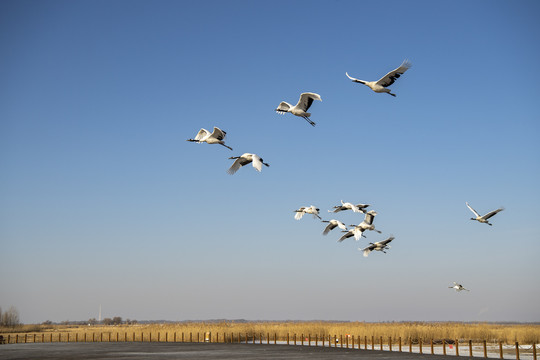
407, 331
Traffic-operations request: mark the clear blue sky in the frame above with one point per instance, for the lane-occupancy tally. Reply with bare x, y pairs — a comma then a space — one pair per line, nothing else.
102, 201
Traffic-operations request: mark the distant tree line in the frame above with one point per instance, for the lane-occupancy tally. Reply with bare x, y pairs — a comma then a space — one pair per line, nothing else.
10, 317
117, 320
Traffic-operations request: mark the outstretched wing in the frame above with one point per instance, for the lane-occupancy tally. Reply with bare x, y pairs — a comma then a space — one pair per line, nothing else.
470, 208
355, 79
357, 233
491, 213
347, 235
368, 249
370, 215
341, 225
299, 213
389, 78
283, 107
328, 228
306, 99
384, 242
203, 133
235, 166
218, 133
257, 163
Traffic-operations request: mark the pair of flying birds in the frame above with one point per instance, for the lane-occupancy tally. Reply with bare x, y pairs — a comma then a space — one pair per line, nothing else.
218, 137
306, 99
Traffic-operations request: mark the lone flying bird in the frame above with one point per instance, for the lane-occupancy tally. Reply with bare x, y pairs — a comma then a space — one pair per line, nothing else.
244, 160
215, 137
358, 230
301, 108
378, 246
483, 219
348, 206
381, 85
458, 287
307, 210
332, 224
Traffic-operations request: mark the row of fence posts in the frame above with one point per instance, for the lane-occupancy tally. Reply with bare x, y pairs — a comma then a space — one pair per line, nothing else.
335, 341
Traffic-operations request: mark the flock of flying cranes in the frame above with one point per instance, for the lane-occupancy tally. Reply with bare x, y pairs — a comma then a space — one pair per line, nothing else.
356, 230
217, 136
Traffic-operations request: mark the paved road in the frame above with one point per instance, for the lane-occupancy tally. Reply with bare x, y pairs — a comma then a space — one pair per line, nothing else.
169, 351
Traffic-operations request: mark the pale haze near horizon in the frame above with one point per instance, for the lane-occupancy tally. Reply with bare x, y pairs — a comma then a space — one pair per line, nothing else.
102, 201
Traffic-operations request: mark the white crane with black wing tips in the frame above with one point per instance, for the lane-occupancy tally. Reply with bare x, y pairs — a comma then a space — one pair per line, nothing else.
332, 224
358, 230
215, 137
484, 218
307, 210
246, 159
301, 108
349, 206
378, 246
380, 86
458, 287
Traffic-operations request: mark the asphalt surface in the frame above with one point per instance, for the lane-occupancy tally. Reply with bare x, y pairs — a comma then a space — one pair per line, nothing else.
134, 350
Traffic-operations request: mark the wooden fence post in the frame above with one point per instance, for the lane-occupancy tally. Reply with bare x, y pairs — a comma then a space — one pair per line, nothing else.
275, 338
457, 347
534, 351
43, 337
420, 345
288, 339
352, 342
400, 344
117, 335
500, 350
470, 348
517, 351
294, 339
381, 343
444, 347
410, 345
365, 342
372, 342
432, 350
485, 349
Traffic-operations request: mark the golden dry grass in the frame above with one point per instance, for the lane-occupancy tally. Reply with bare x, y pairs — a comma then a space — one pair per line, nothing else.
507, 333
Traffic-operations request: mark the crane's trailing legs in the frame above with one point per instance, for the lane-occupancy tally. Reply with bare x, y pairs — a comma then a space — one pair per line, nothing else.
309, 120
